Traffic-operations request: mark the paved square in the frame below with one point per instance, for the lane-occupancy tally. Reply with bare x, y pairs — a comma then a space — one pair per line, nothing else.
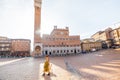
102, 65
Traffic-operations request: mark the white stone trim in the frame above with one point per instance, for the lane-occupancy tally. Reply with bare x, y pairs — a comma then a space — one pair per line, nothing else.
51, 49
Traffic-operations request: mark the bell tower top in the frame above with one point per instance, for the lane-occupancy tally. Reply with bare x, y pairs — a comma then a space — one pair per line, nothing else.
37, 3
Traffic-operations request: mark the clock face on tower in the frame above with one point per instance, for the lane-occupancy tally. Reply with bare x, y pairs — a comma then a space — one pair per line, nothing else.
61, 33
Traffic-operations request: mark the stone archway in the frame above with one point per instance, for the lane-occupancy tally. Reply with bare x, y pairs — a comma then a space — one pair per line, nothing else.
46, 52
75, 51
38, 49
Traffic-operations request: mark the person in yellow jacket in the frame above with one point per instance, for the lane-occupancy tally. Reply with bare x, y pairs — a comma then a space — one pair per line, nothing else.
46, 66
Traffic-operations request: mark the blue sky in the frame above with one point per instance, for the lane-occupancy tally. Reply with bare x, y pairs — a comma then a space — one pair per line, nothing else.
83, 17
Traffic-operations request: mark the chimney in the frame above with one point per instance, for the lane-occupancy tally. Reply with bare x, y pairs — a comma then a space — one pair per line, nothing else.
55, 27
67, 28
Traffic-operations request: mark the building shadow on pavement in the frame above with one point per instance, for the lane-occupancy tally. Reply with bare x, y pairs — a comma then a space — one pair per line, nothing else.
101, 71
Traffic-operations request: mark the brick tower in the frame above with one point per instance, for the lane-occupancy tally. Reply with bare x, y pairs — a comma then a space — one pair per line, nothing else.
37, 23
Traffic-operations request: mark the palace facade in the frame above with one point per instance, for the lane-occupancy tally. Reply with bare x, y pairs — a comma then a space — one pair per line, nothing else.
59, 42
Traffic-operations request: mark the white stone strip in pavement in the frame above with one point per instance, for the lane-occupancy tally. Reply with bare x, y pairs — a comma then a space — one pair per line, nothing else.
57, 73
11, 61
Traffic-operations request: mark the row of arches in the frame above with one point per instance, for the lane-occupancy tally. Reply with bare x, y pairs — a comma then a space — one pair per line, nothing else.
59, 52
56, 50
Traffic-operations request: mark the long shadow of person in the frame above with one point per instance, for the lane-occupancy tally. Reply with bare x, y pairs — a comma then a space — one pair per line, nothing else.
46, 77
